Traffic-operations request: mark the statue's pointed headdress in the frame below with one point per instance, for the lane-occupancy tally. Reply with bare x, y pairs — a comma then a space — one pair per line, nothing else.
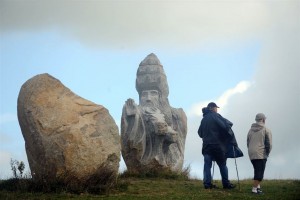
151, 76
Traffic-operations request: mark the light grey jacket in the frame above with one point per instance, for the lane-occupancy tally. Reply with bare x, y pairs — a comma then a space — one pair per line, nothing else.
259, 141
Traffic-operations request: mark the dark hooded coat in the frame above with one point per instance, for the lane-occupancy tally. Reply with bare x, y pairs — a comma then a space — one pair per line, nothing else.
217, 135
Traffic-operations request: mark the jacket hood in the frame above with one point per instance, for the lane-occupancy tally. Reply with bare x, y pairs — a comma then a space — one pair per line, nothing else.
205, 111
255, 127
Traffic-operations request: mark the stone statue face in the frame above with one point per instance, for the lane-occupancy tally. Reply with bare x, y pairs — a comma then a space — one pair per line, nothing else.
149, 98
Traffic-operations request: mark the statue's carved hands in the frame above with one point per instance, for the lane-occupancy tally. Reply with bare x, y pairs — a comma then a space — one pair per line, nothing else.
130, 107
173, 135
161, 128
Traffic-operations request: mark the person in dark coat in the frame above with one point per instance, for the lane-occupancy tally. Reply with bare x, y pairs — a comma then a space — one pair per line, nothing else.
214, 130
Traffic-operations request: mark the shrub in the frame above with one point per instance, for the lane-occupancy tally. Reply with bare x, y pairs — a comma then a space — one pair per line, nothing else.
101, 182
14, 164
165, 173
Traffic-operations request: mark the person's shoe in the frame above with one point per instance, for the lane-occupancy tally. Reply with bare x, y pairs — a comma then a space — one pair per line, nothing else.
212, 186
257, 191
229, 186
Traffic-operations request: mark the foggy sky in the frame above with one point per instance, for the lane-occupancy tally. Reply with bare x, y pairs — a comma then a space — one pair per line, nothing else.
130, 24
186, 26
275, 91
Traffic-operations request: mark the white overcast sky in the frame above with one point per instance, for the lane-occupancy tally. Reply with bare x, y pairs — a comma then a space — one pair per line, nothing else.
244, 55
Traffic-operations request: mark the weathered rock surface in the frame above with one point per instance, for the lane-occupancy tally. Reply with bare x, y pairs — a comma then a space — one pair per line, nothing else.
65, 133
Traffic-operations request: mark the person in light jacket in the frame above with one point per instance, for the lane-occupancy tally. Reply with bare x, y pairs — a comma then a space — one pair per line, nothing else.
259, 143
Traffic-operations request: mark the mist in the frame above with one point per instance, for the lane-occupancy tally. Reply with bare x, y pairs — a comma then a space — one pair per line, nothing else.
190, 26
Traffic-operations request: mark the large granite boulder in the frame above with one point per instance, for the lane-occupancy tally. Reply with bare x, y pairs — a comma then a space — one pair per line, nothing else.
152, 133
65, 134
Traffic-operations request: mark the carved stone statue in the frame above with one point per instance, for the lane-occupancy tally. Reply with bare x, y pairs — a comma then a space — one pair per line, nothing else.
153, 133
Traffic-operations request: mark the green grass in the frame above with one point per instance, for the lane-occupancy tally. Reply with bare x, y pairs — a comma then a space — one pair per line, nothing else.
173, 188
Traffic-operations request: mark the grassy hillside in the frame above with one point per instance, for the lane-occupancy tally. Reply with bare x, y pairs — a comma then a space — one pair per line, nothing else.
169, 188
